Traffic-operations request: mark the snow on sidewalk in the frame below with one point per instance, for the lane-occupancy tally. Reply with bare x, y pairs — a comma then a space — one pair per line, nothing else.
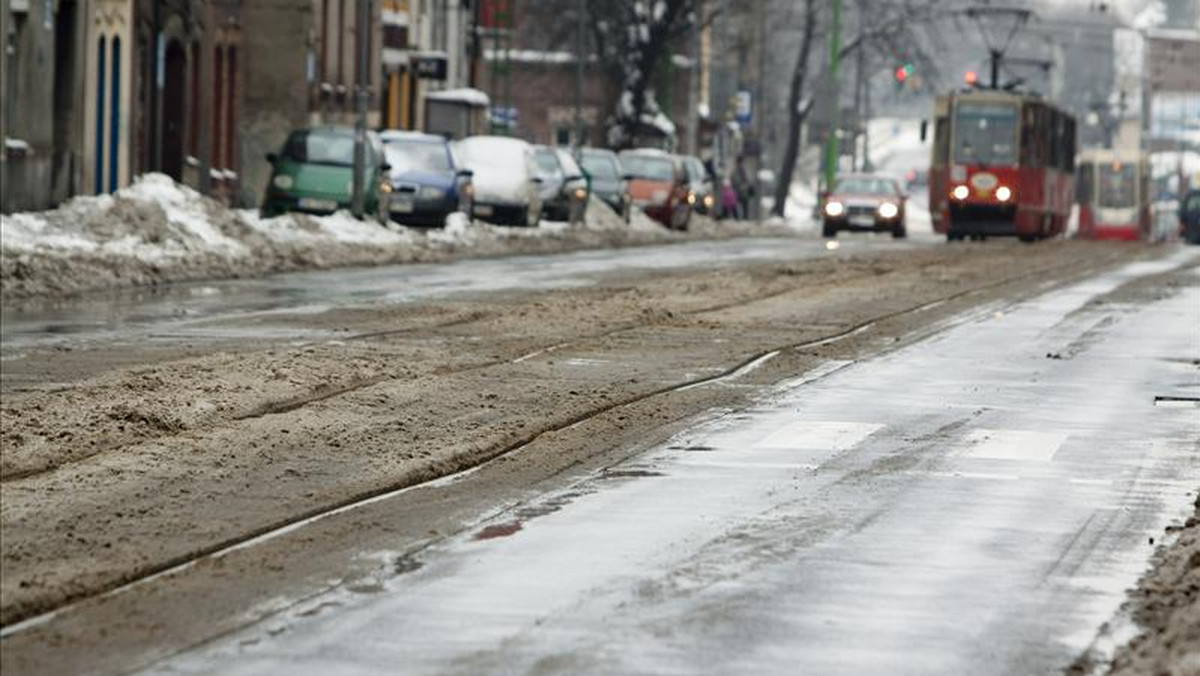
157, 231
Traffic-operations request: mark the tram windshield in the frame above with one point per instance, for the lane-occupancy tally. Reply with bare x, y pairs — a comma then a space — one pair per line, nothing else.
1118, 185
985, 134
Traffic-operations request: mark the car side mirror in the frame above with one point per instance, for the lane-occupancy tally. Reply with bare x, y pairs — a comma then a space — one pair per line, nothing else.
537, 179
385, 167
627, 177
466, 173
572, 177
272, 158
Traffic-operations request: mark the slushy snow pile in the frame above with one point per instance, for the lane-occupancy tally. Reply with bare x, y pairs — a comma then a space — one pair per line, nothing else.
157, 231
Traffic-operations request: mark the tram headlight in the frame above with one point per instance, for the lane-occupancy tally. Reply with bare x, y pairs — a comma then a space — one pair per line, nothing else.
834, 209
961, 192
1003, 193
888, 210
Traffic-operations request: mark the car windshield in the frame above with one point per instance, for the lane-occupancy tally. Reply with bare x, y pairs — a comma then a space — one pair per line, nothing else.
1117, 185
408, 156
600, 166
652, 168
866, 186
320, 147
695, 169
985, 134
547, 162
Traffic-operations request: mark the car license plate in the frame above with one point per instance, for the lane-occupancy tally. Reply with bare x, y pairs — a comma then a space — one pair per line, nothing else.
862, 220
400, 206
313, 204
483, 210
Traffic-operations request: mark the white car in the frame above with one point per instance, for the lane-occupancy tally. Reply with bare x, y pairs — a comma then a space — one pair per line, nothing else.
507, 184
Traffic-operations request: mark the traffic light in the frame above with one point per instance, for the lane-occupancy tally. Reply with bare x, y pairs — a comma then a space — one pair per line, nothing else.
903, 74
971, 78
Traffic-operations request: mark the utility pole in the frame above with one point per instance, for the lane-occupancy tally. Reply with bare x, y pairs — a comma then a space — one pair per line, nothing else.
832, 149
580, 9
693, 114
362, 27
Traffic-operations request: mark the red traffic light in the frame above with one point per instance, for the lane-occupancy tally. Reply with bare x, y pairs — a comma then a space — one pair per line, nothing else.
901, 74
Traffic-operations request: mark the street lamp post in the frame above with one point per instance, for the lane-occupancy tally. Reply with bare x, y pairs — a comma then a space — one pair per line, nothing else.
832, 149
357, 204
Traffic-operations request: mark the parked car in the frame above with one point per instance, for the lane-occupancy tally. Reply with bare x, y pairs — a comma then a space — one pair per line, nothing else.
606, 179
507, 185
1189, 217
864, 202
658, 183
702, 192
314, 173
427, 183
564, 188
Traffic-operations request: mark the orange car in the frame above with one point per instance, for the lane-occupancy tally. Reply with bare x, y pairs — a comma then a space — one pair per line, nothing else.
658, 183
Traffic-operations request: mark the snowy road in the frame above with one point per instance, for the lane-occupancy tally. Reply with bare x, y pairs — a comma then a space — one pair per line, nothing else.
187, 311
974, 503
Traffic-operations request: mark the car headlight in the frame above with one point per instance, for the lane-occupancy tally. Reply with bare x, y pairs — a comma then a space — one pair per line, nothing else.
961, 192
1003, 193
888, 210
580, 194
691, 198
283, 182
432, 193
709, 201
385, 187
834, 209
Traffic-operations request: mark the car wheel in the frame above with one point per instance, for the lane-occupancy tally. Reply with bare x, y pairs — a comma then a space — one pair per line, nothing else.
829, 230
953, 237
899, 231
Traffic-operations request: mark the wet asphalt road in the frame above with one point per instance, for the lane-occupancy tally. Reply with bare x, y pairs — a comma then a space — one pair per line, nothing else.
974, 503
189, 311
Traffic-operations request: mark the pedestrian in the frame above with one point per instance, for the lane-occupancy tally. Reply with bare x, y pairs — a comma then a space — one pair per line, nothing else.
743, 187
729, 200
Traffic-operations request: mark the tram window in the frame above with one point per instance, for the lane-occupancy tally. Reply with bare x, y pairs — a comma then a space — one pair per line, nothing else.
1069, 144
1083, 183
1055, 145
1117, 184
985, 133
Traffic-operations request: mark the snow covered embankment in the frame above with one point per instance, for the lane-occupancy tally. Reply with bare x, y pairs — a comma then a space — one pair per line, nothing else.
157, 232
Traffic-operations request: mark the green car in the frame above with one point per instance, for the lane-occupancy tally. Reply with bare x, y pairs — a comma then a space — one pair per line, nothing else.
314, 173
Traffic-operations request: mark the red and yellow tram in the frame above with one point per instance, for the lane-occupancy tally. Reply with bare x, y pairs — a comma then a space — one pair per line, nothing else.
1003, 164
1113, 191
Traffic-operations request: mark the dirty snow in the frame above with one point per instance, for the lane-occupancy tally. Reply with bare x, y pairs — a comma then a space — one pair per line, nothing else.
157, 231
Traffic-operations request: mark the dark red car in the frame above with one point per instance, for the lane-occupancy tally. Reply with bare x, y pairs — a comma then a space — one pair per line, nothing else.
864, 202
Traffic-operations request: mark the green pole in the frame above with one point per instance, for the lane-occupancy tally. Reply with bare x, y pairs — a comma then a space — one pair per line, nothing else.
832, 149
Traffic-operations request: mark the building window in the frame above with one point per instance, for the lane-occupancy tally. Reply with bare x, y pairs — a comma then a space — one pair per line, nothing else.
101, 54
218, 110
230, 100
114, 117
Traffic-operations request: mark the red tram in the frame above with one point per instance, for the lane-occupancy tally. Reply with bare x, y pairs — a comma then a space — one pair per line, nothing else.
1003, 164
1113, 191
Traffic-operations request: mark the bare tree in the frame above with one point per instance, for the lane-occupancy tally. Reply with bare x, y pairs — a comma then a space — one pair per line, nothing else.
884, 23
633, 38
796, 110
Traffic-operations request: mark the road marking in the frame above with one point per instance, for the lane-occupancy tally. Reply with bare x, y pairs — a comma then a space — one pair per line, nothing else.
822, 435
988, 444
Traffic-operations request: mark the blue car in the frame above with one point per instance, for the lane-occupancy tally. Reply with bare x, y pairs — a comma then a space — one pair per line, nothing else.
427, 183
